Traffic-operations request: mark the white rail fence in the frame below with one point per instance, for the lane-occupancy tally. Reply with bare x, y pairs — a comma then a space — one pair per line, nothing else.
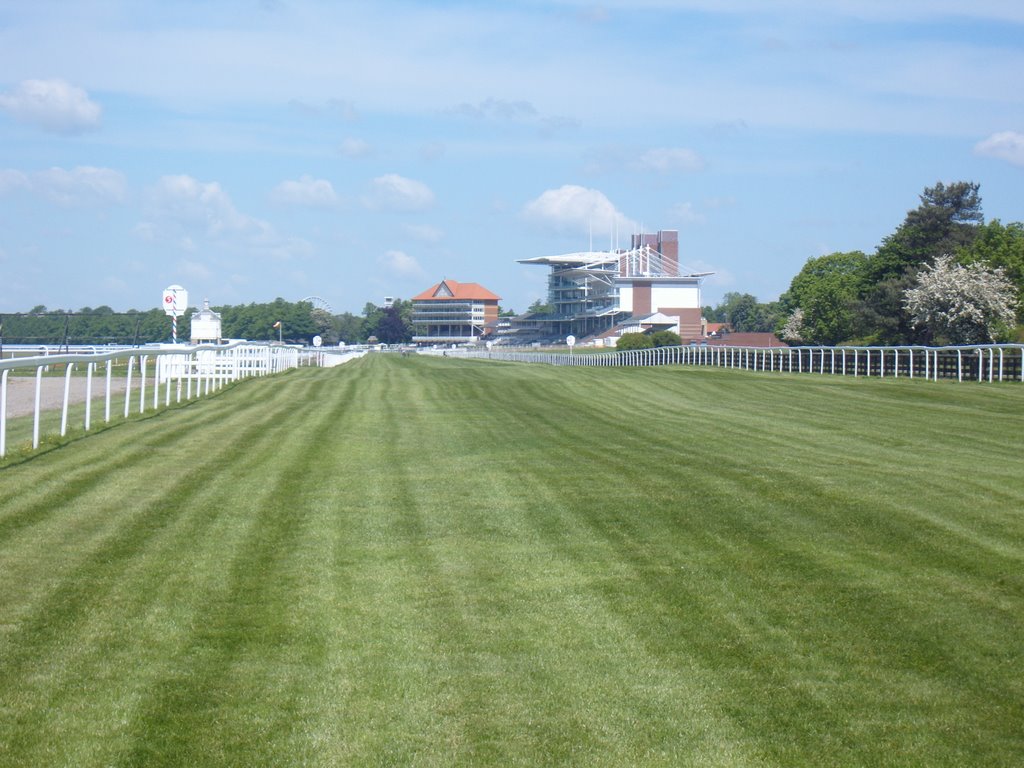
986, 362
142, 374
329, 358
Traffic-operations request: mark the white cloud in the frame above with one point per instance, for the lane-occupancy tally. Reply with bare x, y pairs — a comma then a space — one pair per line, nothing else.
195, 270
496, 109
392, 192
668, 160
306, 191
11, 179
335, 107
79, 186
1007, 145
844, 9
345, 109
432, 150
659, 160
115, 285
424, 232
52, 105
83, 184
200, 217
353, 147
401, 264
521, 112
593, 14
576, 210
284, 249
686, 214
187, 205
549, 126
719, 202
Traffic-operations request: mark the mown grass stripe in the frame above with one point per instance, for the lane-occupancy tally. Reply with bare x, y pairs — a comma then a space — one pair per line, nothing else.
261, 575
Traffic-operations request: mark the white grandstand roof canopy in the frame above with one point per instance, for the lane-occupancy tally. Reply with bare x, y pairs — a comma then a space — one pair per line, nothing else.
590, 259
582, 257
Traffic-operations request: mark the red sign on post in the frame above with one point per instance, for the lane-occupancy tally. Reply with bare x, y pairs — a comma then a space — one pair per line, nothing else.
175, 300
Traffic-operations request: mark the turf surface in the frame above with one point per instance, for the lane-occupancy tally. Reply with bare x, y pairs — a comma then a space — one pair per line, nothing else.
408, 561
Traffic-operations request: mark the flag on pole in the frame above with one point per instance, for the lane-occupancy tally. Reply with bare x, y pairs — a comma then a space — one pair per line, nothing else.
277, 324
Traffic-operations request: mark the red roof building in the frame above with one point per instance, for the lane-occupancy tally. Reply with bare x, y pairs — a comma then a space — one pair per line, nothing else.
451, 312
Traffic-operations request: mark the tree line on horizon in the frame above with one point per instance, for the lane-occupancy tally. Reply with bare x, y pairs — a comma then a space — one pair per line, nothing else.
945, 276
300, 322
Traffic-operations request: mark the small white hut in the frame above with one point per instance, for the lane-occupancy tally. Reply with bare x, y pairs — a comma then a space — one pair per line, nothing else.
206, 325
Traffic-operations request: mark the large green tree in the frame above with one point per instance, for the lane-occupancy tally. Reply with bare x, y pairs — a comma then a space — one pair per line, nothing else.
947, 219
744, 313
349, 328
326, 328
539, 307
826, 291
390, 325
882, 316
1002, 246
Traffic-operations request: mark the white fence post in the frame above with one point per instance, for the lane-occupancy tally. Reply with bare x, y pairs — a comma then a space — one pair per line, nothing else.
107, 402
38, 404
3, 413
128, 385
67, 392
90, 368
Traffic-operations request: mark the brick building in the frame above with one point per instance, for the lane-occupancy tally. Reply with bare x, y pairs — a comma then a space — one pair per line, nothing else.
453, 313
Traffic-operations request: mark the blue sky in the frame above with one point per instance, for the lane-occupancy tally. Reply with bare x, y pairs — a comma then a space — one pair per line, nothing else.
254, 149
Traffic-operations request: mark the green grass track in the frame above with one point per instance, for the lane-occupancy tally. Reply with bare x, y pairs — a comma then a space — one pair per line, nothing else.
413, 561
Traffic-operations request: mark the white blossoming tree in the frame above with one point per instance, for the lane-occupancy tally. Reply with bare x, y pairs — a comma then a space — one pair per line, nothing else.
793, 328
962, 304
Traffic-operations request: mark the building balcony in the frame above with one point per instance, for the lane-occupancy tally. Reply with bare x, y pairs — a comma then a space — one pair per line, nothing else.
451, 339
440, 318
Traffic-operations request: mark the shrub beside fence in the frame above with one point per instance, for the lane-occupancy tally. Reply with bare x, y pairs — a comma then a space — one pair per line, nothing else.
988, 362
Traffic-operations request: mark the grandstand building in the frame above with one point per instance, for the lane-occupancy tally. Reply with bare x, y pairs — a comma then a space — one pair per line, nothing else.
453, 313
592, 292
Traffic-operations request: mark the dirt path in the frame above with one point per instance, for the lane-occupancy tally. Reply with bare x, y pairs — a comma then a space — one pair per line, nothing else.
21, 392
